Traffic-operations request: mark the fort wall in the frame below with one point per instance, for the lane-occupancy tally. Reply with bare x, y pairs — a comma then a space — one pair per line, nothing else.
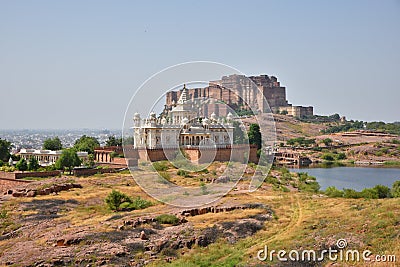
239, 91
234, 153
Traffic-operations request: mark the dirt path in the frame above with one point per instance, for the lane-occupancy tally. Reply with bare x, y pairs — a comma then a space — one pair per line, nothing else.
296, 220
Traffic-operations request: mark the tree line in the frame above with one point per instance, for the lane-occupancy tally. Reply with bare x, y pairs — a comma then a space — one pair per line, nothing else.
68, 158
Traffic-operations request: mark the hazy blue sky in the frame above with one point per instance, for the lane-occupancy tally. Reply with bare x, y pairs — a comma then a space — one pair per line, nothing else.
73, 64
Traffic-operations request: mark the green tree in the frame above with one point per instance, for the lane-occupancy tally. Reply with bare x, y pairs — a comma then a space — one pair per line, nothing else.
21, 165
300, 141
52, 144
68, 160
369, 193
291, 142
341, 156
335, 117
255, 135
15, 157
86, 143
327, 141
382, 191
238, 134
112, 141
351, 193
33, 164
128, 140
396, 189
5, 148
89, 162
115, 199
328, 157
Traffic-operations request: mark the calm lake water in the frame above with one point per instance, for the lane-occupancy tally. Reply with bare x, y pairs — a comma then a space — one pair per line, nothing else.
356, 178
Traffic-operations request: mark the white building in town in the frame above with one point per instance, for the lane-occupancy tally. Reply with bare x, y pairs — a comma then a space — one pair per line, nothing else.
182, 127
46, 157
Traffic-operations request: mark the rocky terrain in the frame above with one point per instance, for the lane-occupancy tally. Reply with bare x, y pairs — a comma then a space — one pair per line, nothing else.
39, 216
74, 227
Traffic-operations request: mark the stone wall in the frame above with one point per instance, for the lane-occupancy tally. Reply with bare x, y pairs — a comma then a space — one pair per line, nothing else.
20, 175
6, 184
236, 153
156, 154
7, 175
87, 172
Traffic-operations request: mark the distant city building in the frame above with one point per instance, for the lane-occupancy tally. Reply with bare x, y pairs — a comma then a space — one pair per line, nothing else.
46, 157
240, 92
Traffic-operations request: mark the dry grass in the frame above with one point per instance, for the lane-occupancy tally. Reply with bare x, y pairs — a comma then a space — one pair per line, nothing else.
301, 220
308, 222
209, 219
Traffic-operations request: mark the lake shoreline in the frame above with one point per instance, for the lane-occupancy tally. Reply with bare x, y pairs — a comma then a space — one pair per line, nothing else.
344, 164
354, 177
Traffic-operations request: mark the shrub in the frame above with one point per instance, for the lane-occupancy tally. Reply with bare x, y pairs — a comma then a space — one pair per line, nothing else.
369, 193
328, 157
284, 189
332, 191
125, 206
203, 188
160, 165
140, 203
341, 156
378, 191
392, 163
327, 141
3, 214
382, 191
33, 164
167, 219
205, 170
165, 175
182, 173
22, 165
396, 189
310, 186
7, 169
302, 176
284, 170
271, 180
118, 201
115, 199
300, 141
351, 193
384, 150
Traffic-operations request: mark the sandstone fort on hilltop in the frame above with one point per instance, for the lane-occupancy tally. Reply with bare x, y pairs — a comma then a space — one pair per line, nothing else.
239, 92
